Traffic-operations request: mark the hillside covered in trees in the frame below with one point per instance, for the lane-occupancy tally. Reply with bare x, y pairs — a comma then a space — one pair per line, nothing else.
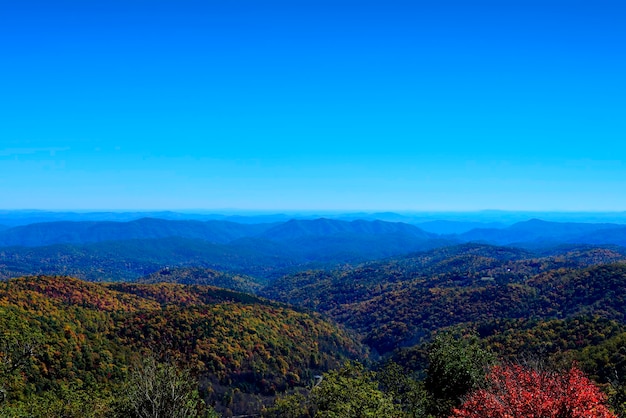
401, 302
260, 319
86, 336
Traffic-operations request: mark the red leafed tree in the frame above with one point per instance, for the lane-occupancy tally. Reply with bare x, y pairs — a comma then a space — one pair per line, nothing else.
518, 392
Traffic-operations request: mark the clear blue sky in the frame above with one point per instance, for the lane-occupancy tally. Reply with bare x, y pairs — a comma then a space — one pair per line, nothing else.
365, 105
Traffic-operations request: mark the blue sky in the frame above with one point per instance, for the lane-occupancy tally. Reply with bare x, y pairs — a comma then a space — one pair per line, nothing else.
339, 105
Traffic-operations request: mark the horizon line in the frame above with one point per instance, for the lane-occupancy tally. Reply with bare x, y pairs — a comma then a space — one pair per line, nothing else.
304, 210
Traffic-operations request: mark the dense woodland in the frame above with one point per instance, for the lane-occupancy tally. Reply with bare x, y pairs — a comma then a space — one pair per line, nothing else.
86, 336
274, 331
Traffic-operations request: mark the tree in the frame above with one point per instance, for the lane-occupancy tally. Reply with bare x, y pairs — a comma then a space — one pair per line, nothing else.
295, 405
515, 392
66, 401
15, 354
456, 367
352, 392
161, 390
407, 393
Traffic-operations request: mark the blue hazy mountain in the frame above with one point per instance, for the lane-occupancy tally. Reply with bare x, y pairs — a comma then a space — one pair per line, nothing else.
456, 227
306, 236
295, 229
437, 222
127, 250
327, 240
68, 232
26, 217
544, 233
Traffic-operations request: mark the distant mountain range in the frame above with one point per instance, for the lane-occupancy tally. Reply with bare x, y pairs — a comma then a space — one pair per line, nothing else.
25, 217
218, 232
68, 232
457, 227
297, 229
129, 250
107, 250
538, 233
436, 222
305, 236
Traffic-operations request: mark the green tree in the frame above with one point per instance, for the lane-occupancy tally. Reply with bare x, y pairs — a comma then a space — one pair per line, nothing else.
66, 401
456, 367
295, 405
351, 392
407, 393
16, 353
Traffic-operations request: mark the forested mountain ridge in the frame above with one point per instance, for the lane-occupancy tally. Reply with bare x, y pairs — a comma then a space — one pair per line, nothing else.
86, 335
456, 265
129, 260
293, 246
567, 303
402, 301
533, 232
215, 231
204, 276
68, 232
114, 251
295, 229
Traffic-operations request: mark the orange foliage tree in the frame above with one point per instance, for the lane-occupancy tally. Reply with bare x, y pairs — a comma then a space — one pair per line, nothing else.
515, 392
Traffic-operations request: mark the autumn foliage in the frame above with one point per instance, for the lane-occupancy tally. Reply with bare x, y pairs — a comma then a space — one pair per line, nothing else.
516, 392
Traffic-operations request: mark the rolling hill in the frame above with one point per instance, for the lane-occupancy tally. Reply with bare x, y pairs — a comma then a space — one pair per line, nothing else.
400, 302
129, 260
204, 276
88, 334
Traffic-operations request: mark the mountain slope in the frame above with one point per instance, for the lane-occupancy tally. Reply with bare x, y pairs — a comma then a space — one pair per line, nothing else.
449, 264
326, 240
456, 227
89, 333
49, 233
297, 229
400, 302
549, 233
129, 260
203, 276
259, 250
